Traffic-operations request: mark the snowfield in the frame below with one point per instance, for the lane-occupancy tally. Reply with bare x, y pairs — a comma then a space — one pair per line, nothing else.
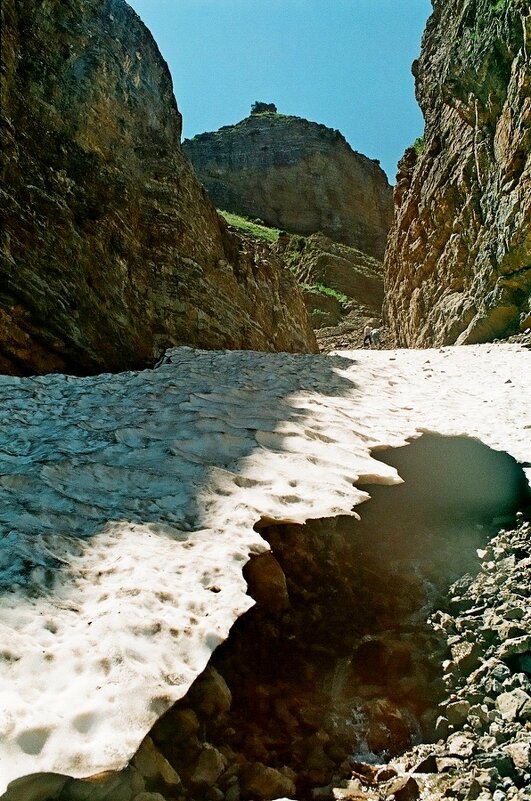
127, 506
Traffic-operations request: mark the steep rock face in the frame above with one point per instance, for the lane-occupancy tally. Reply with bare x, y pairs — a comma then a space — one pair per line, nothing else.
297, 175
111, 250
341, 285
458, 265
319, 260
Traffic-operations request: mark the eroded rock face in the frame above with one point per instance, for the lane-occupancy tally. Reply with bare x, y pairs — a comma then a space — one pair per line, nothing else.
296, 175
355, 278
111, 250
458, 265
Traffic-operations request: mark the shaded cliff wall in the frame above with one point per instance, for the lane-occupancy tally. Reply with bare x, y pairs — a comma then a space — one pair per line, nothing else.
458, 264
111, 250
296, 175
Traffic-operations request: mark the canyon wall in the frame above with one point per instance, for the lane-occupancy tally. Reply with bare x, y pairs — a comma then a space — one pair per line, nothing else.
111, 250
295, 175
458, 264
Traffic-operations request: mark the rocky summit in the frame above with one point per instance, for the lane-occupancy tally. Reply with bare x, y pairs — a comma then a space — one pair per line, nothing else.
295, 175
111, 250
458, 264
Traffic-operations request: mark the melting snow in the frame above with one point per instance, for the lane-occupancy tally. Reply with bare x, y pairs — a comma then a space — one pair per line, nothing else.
127, 505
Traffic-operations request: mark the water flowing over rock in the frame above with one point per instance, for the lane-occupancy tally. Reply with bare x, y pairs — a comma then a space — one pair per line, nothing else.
111, 250
296, 175
458, 264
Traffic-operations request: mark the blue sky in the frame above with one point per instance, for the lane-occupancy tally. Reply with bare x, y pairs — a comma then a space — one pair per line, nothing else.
344, 63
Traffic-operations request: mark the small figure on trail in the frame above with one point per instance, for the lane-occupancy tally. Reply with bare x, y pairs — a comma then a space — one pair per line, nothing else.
375, 337
367, 336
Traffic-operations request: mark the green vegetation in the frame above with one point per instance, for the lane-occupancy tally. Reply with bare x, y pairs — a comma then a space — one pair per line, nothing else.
248, 226
321, 289
500, 5
418, 145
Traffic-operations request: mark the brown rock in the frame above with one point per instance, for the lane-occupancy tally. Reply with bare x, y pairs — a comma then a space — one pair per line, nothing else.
120, 786
385, 773
520, 753
111, 251
405, 788
259, 781
337, 279
149, 797
210, 694
426, 765
267, 582
208, 768
295, 175
458, 264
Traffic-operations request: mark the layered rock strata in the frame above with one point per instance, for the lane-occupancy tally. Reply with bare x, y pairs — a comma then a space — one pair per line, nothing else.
295, 175
342, 287
111, 250
458, 265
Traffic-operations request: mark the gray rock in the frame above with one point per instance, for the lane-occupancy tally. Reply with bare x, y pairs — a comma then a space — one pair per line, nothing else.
457, 712
515, 647
509, 704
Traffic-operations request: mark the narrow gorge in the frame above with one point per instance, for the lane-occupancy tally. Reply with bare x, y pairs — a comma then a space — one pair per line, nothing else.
232, 567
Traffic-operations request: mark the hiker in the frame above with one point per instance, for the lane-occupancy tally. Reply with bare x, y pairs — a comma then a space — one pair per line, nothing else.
367, 336
375, 337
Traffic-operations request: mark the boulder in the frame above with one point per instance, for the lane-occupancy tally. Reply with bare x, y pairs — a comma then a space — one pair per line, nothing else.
510, 704
261, 782
208, 768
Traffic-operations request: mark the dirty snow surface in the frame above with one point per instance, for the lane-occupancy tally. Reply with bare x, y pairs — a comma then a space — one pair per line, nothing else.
128, 503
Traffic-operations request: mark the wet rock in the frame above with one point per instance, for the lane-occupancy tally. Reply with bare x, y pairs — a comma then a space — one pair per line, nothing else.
149, 797
122, 786
180, 725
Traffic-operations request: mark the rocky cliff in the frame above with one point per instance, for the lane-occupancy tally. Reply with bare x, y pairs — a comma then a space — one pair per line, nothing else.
111, 250
296, 175
458, 265
342, 287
